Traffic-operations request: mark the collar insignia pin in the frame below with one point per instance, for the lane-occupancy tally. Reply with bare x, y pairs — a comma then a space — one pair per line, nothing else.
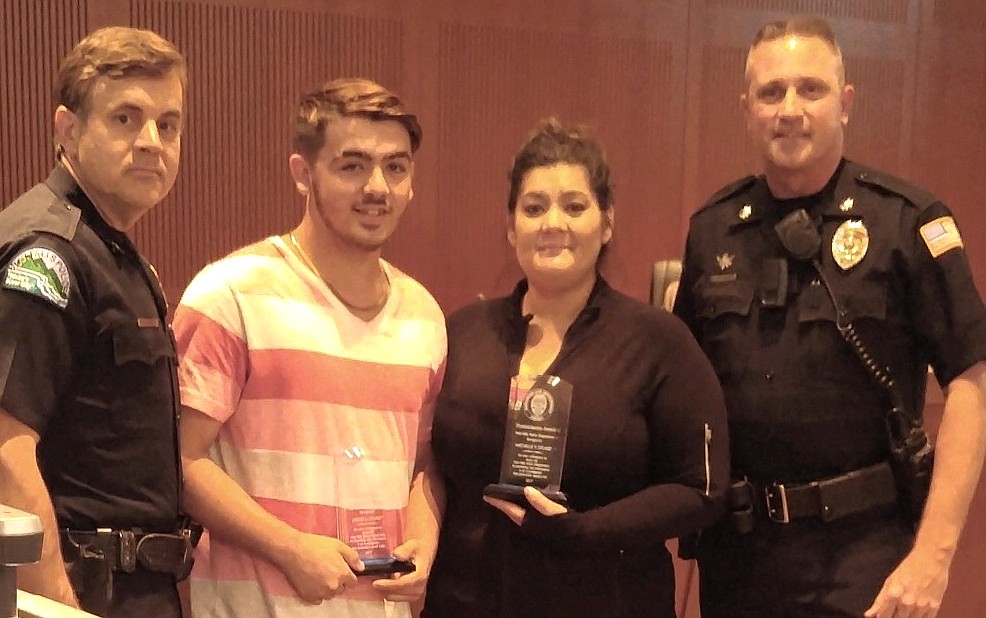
849, 243
847, 204
745, 212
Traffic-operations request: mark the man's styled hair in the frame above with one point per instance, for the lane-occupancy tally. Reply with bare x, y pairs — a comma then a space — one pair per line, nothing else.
116, 52
347, 97
805, 27
552, 143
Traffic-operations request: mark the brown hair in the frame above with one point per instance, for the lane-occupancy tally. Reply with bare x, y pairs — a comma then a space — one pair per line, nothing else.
805, 27
552, 143
348, 97
116, 52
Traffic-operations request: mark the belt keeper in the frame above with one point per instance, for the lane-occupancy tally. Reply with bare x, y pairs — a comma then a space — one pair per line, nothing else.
128, 551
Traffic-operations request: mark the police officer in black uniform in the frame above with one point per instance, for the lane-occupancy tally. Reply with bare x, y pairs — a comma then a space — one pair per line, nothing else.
821, 291
88, 395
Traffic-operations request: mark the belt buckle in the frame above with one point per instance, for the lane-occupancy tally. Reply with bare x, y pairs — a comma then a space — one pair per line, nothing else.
777, 513
164, 553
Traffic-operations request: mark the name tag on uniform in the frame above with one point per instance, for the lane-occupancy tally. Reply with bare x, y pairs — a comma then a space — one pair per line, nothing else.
148, 323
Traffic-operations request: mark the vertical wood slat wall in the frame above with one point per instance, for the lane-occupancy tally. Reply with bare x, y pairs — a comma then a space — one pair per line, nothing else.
658, 81
248, 68
33, 38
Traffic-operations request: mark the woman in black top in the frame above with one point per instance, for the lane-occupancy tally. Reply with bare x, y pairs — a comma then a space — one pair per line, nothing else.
646, 456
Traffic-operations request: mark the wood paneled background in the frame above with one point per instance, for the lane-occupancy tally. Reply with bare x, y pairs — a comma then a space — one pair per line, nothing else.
659, 81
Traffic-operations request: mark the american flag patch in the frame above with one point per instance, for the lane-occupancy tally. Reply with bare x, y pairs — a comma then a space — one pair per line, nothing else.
941, 235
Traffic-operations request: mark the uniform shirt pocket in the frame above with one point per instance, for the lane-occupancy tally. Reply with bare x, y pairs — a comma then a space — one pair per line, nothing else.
723, 310
717, 299
143, 393
135, 344
855, 302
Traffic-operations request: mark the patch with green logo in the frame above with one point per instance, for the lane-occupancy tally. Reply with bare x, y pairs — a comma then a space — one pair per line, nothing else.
40, 272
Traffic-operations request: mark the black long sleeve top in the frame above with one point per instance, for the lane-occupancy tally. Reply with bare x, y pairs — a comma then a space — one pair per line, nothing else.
646, 460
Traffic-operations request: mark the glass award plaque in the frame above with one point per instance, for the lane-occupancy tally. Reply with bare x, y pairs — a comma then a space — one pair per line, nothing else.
538, 410
373, 533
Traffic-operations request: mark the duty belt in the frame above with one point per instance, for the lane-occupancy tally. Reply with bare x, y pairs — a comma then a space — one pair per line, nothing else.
124, 550
827, 499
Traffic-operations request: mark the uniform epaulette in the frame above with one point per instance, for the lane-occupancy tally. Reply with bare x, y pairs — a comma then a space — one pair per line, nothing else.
915, 195
40, 210
729, 191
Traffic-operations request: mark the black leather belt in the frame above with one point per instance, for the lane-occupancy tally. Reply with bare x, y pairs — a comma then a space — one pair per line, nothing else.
828, 499
124, 550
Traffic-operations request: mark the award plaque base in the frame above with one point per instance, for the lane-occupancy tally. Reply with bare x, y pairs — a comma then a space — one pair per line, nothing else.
386, 566
515, 494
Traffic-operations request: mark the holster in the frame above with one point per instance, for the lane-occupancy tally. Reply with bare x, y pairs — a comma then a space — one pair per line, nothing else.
912, 460
91, 578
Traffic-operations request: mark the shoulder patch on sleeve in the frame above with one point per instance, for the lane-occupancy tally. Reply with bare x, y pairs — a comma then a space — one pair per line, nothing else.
40, 272
730, 190
941, 235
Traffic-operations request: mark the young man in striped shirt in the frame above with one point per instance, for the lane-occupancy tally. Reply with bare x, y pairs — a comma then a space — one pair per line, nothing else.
308, 370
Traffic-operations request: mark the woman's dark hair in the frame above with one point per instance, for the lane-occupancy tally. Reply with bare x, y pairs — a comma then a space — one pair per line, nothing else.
552, 143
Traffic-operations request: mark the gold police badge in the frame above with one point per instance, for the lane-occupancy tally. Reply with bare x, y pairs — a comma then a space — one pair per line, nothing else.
849, 244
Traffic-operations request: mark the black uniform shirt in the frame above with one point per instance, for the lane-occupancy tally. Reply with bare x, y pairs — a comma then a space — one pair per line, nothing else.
87, 360
801, 404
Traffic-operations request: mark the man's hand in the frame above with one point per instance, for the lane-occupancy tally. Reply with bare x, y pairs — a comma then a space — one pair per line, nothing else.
320, 567
407, 586
538, 500
914, 589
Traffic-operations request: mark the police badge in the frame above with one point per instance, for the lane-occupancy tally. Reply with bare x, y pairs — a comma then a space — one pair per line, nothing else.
849, 243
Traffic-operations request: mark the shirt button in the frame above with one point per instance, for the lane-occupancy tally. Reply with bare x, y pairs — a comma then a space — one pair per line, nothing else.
769, 376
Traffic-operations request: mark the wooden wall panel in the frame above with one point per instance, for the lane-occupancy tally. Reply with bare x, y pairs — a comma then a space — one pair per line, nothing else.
34, 36
876, 130
873, 10
495, 85
949, 154
248, 68
658, 81
722, 142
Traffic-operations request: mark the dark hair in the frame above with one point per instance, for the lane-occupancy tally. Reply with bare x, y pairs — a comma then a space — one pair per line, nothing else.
552, 143
116, 52
348, 97
806, 27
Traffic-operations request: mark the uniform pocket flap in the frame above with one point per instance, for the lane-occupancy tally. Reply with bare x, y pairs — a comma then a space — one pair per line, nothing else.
868, 302
132, 343
720, 298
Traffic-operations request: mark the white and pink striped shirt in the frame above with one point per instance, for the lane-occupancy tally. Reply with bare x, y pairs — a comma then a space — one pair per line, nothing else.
322, 412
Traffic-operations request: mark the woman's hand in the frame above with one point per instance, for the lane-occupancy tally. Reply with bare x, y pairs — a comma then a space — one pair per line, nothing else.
538, 500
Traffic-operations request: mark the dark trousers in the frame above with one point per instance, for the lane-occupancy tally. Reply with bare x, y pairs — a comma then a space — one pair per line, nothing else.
141, 594
800, 570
